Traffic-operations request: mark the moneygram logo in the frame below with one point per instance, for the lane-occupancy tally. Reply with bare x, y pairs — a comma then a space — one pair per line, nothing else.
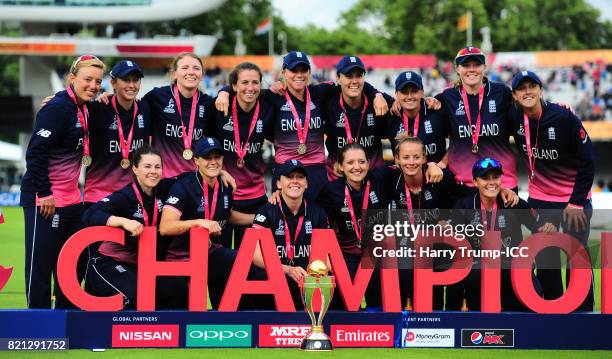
282, 335
143, 336
218, 336
362, 335
487, 338
432, 338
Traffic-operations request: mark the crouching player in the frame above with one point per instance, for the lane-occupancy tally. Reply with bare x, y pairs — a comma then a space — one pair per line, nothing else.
482, 208
114, 268
200, 199
291, 220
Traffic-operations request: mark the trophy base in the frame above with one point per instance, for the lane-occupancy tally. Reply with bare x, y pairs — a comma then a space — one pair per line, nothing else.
316, 345
316, 341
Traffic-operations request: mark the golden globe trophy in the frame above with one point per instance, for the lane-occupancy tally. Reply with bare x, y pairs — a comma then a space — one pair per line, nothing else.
317, 278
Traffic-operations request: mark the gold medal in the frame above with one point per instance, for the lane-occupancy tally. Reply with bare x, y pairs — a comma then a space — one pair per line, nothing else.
240, 163
86, 160
474, 148
301, 148
188, 154
125, 163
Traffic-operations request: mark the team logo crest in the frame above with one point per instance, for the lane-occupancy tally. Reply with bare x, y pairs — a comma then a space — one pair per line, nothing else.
521, 130
229, 126
373, 197
460, 109
138, 213
259, 126
308, 227
492, 106
113, 125
428, 128
280, 230
370, 118
140, 120
340, 122
170, 107
551, 133
286, 107
201, 111
428, 195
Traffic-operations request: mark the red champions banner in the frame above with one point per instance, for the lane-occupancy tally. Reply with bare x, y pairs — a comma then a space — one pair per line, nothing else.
148, 335
282, 335
324, 245
362, 335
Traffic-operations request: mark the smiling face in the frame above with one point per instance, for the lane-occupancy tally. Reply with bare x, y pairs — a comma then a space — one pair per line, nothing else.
293, 185
247, 87
410, 158
352, 83
127, 88
409, 97
297, 78
471, 73
188, 73
148, 171
210, 166
528, 94
87, 82
354, 165
489, 185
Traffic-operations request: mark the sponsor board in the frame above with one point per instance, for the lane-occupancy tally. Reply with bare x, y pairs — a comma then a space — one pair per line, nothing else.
145, 336
282, 335
227, 335
487, 338
362, 335
428, 338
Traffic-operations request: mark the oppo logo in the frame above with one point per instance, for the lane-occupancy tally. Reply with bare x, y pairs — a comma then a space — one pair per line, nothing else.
225, 335
219, 334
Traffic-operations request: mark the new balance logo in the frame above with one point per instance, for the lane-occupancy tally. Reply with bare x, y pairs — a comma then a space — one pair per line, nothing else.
260, 218
43, 133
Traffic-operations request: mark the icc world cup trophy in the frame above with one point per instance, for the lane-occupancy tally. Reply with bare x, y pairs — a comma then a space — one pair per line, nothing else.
317, 278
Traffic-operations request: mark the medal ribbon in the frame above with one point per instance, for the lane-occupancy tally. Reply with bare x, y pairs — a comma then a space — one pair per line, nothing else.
83, 116
415, 129
124, 143
194, 101
145, 215
300, 126
289, 244
347, 126
409, 202
210, 213
466, 104
530, 157
364, 208
241, 151
483, 213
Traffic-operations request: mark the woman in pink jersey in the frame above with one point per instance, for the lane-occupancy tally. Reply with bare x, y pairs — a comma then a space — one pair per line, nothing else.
476, 109
50, 193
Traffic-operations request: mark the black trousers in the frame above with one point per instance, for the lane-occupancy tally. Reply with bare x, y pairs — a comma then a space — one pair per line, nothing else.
44, 238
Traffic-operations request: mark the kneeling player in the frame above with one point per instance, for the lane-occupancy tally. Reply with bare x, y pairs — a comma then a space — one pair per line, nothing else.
481, 208
291, 221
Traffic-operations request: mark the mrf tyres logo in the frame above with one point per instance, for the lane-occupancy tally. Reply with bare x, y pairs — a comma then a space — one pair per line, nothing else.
218, 336
145, 336
362, 335
487, 338
282, 335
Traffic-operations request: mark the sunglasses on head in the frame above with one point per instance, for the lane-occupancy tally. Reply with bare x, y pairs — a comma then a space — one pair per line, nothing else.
81, 58
470, 50
489, 163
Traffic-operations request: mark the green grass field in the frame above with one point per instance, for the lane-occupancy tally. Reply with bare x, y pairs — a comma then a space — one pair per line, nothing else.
13, 296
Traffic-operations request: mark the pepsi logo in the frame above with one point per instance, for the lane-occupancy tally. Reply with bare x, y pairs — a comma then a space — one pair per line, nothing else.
476, 338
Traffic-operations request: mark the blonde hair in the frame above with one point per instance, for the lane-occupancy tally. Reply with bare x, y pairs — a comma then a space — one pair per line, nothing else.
179, 57
405, 137
82, 62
